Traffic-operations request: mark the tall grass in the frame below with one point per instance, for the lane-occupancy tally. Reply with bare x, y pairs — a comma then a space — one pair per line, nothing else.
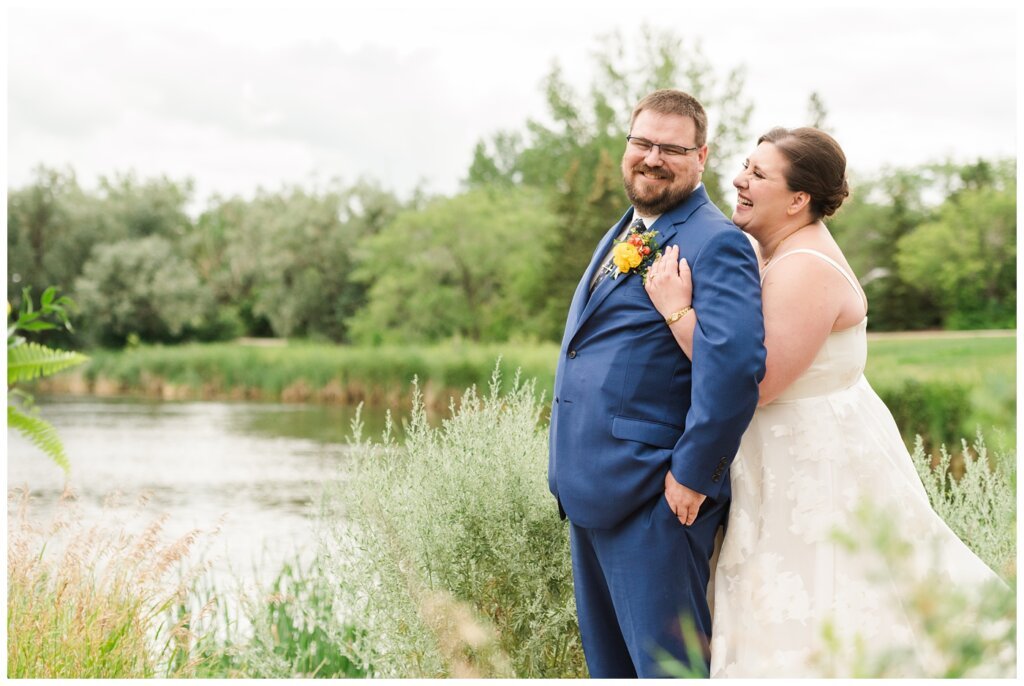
108, 600
289, 629
313, 372
456, 560
89, 601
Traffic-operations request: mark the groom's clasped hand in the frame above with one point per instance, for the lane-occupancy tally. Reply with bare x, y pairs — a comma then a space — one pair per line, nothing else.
685, 502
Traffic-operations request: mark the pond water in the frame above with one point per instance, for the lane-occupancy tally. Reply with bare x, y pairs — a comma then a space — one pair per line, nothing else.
256, 470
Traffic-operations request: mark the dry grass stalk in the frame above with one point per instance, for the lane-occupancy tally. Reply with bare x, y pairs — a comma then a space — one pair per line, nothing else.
88, 601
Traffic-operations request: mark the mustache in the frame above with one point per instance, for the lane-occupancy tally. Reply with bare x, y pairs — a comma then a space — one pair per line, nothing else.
642, 168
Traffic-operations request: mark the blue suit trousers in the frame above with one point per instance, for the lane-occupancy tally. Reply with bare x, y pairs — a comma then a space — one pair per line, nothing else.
637, 581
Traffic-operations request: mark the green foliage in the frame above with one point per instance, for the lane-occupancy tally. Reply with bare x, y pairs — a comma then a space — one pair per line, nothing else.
903, 369
465, 266
278, 264
40, 433
879, 212
51, 228
288, 258
968, 256
54, 225
934, 409
457, 560
299, 614
140, 286
138, 209
292, 630
954, 260
31, 360
27, 361
979, 502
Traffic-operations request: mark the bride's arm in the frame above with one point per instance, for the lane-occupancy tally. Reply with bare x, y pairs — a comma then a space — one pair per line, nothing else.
670, 288
801, 299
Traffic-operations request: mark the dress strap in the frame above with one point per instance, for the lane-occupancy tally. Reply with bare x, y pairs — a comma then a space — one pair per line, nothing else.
807, 251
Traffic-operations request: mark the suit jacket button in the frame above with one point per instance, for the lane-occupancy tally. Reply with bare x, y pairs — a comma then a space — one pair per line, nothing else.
716, 477
572, 354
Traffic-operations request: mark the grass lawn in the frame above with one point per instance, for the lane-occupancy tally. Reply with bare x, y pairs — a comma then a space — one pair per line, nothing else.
986, 367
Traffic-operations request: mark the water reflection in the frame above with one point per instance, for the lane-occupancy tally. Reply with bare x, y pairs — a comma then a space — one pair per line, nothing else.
321, 423
256, 468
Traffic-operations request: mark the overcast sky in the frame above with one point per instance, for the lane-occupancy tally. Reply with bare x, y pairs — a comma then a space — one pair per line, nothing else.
253, 95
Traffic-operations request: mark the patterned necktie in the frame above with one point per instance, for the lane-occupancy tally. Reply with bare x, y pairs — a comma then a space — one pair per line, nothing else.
609, 266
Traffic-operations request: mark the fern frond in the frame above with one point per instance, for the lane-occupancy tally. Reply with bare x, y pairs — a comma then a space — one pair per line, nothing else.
32, 360
41, 433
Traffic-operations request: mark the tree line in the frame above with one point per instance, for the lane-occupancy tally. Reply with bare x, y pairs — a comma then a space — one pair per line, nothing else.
934, 244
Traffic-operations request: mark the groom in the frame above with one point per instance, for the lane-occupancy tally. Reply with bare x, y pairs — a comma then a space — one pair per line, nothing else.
641, 438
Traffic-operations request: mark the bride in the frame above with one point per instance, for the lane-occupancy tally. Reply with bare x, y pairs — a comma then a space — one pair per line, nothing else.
820, 445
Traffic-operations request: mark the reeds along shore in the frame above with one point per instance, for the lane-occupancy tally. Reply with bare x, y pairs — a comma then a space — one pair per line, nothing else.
379, 377
942, 387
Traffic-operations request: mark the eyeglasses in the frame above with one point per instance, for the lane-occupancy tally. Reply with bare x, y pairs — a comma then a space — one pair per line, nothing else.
667, 149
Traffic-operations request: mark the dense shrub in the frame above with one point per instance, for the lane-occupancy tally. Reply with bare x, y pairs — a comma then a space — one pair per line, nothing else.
456, 561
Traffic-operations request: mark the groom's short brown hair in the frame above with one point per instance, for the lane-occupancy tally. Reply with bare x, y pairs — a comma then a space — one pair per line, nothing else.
669, 101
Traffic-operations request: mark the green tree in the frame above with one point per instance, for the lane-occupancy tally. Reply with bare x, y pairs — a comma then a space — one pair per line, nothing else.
283, 262
467, 266
968, 257
574, 154
153, 207
868, 227
54, 225
909, 281
143, 287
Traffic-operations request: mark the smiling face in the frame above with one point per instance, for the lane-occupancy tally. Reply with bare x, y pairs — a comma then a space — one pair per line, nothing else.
764, 199
654, 182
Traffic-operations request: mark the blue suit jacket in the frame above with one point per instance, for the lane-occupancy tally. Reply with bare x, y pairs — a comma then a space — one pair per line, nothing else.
628, 404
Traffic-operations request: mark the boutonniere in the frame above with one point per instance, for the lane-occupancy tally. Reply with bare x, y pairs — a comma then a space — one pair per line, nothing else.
635, 253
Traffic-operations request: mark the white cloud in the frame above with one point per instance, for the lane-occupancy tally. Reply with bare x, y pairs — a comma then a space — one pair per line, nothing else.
245, 96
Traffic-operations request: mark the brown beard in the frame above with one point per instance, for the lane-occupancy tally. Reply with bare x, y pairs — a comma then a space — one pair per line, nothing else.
660, 203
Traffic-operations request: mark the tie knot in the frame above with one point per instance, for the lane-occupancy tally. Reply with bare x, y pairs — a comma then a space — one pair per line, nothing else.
638, 225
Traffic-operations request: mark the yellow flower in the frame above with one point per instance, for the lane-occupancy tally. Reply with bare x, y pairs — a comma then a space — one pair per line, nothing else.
626, 257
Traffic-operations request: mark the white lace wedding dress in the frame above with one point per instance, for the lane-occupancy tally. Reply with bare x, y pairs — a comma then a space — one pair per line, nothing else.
804, 466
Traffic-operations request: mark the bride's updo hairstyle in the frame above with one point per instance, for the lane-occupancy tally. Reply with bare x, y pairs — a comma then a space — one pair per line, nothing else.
817, 166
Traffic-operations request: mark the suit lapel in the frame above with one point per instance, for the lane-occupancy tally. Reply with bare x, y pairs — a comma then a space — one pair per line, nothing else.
579, 299
667, 227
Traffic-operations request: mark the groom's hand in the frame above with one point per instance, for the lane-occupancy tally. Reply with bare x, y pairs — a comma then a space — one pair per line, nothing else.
685, 502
